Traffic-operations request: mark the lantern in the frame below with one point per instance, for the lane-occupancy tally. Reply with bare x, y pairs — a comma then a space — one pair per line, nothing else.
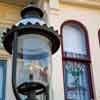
31, 42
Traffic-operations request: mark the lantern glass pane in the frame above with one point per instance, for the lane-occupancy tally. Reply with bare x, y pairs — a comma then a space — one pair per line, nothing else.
33, 60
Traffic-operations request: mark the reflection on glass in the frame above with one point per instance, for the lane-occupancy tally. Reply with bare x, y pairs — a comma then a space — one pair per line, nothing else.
74, 39
1, 81
33, 63
75, 81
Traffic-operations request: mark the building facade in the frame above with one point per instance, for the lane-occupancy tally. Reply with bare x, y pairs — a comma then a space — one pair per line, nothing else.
76, 64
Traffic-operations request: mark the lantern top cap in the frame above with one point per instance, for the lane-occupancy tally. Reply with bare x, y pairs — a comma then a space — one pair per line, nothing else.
31, 10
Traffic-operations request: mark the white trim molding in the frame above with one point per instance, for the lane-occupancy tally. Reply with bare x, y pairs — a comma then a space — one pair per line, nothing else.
86, 3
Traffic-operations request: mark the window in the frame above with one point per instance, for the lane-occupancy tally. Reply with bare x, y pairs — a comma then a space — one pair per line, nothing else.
2, 79
76, 62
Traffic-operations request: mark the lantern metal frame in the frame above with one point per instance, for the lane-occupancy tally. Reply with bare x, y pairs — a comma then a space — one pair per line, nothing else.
10, 37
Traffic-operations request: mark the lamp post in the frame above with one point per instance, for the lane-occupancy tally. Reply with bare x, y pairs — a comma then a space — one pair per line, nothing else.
31, 43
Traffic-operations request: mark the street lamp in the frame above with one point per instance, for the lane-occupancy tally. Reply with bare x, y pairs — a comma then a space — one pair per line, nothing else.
31, 43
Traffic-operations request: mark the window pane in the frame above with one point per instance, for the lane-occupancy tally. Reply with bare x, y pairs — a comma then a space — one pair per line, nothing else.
76, 81
1, 80
74, 39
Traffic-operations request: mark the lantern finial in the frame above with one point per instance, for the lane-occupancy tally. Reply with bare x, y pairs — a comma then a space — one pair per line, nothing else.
32, 10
